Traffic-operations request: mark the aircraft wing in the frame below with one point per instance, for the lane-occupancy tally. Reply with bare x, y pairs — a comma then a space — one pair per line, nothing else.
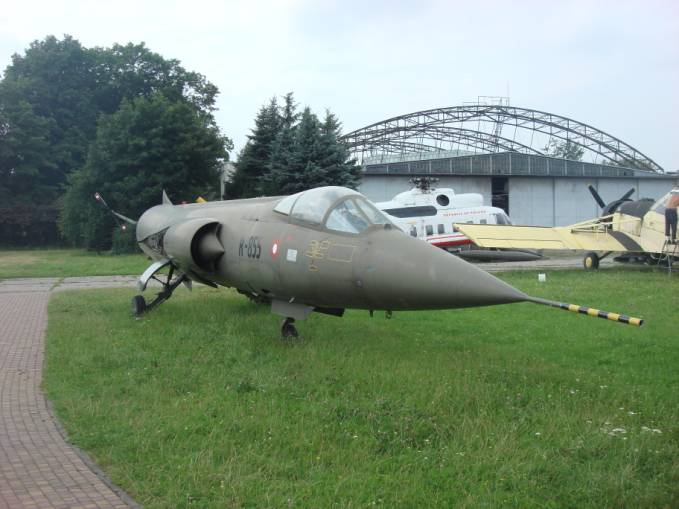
591, 236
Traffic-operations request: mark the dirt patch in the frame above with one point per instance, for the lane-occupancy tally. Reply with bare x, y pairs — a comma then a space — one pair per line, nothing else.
8, 260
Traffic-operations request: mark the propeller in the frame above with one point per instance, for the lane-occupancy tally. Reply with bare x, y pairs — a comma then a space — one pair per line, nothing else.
612, 206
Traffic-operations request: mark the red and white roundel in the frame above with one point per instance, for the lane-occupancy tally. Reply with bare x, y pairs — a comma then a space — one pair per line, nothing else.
274, 249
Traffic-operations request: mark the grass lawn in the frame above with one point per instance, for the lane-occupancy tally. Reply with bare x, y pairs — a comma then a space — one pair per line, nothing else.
68, 262
200, 404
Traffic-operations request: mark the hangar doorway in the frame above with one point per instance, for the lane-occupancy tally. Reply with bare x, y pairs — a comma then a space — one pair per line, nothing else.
500, 193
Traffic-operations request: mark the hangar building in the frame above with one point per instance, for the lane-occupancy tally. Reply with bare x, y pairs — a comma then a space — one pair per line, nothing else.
494, 149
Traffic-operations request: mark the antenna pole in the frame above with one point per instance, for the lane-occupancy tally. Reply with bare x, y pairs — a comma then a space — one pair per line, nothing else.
629, 320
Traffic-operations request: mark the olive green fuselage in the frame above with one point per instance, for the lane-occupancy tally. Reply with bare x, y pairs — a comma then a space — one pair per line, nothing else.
270, 254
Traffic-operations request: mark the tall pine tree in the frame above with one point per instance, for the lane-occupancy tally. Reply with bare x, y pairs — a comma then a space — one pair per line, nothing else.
304, 153
252, 166
309, 170
341, 169
281, 163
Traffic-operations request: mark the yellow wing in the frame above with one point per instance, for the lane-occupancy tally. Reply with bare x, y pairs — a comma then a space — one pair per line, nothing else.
595, 235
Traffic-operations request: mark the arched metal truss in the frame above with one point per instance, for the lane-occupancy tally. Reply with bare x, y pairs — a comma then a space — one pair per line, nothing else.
480, 129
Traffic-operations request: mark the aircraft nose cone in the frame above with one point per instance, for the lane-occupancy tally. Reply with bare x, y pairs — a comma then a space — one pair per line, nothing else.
406, 273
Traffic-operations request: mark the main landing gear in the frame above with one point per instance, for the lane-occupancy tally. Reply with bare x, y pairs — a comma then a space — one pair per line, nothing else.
288, 329
139, 304
592, 259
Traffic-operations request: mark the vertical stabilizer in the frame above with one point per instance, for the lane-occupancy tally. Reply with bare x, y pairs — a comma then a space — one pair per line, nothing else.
166, 199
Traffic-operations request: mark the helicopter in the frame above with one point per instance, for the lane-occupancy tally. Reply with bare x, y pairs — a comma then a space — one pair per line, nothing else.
430, 213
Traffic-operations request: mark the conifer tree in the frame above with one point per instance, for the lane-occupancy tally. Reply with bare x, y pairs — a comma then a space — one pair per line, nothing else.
304, 153
294, 166
308, 153
254, 160
281, 163
341, 170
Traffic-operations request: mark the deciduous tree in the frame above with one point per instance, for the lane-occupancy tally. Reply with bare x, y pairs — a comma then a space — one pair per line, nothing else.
52, 96
148, 145
565, 149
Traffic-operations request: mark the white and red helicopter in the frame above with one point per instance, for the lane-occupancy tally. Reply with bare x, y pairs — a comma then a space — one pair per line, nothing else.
429, 213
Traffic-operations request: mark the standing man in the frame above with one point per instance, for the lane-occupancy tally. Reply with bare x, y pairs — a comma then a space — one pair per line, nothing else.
671, 216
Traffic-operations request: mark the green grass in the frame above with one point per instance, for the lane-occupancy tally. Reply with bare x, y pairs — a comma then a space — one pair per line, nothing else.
200, 404
67, 263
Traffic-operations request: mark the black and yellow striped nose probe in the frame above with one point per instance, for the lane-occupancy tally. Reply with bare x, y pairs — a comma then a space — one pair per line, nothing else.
629, 320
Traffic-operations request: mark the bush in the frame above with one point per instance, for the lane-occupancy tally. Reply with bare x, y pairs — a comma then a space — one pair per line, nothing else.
28, 225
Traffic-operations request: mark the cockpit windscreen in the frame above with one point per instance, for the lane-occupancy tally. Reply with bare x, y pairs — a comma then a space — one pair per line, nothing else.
351, 215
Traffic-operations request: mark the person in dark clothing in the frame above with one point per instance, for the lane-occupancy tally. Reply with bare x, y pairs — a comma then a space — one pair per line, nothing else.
671, 216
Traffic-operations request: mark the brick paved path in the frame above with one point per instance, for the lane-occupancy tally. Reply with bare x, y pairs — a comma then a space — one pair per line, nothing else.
37, 467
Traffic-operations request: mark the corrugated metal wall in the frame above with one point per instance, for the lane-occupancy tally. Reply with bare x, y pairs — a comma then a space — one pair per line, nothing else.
542, 201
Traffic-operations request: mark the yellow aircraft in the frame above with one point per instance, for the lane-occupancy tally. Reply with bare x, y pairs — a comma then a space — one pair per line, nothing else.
634, 228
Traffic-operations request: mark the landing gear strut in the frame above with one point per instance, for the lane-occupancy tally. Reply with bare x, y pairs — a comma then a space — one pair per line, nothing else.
139, 304
288, 329
592, 259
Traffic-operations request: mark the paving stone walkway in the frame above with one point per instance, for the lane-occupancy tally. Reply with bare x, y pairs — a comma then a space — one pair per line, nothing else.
38, 468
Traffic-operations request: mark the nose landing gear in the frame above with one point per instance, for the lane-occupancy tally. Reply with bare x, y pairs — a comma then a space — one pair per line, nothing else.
288, 329
139, 304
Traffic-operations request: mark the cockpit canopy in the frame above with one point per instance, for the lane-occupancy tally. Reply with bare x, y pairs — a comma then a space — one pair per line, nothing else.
337, 208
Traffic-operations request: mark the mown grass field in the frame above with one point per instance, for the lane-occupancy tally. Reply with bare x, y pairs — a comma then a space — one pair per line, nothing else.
200, 404
68, 263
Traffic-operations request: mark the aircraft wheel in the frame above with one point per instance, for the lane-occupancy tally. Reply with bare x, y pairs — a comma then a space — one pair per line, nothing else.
288, 329
591, 261
654, 258
138, 305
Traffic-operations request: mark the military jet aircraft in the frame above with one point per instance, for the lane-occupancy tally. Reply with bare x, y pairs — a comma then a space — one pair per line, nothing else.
634, 228
325, 250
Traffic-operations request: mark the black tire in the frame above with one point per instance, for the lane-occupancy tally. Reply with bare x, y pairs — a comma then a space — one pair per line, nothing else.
288, 330
591, 261
138, 305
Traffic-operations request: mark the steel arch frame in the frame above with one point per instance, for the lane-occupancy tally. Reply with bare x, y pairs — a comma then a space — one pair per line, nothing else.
461, 136
425, 130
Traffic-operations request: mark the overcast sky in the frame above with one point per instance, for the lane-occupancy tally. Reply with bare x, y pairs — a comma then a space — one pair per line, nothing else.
613, 65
